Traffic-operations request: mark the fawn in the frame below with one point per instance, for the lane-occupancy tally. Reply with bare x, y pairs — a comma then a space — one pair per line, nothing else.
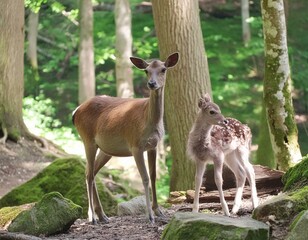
214, 138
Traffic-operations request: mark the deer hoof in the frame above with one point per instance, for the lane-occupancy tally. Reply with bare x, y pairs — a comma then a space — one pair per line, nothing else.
104, 219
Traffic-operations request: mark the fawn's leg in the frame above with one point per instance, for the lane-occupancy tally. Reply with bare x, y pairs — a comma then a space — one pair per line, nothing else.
90, 153
100, 161
152, 171
218, 164
200, 168
250, 173
235, 165
138, 155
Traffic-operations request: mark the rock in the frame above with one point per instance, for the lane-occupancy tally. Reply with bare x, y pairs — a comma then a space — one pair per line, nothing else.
208, 226
135, 206
66, 176
53, 214
8, 214
298, 228
284, 206
297, 176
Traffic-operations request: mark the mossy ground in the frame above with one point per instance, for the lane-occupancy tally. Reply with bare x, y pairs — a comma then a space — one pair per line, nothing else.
52, 214
66, 176
7, 214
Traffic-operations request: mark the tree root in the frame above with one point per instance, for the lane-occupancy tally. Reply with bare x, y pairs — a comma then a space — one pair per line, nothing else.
5, 134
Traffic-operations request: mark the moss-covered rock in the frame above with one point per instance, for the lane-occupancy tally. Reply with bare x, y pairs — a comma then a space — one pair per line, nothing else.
53, 214
66, 176
298, 227
8, 214
208, 226
284, 206
297, 176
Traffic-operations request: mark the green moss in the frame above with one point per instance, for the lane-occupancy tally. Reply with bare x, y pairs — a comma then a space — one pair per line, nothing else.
66, 176
300, 197
296, 176
207, 226
284, 206
296, 219
52, 214
7, 214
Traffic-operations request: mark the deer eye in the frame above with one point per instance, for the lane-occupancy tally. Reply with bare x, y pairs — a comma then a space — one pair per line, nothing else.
212, 112
146, 71
163, 70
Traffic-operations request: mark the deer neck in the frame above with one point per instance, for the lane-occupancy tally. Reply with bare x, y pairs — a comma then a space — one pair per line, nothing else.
156, 107
202, 131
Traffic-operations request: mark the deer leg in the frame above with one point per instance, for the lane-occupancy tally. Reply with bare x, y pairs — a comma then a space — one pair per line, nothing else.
240, 175
152, 171
138, 155
100, 161
90, 153
218, 164
250, 173
200, 168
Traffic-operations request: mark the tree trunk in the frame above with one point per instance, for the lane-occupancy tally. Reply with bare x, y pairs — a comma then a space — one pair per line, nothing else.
32, 49
11, 69
86, 53
245, 23
124, 73
265, 154
178, 29
277, 86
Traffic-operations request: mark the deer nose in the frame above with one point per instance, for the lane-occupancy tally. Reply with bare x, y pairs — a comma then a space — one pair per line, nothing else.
151, 84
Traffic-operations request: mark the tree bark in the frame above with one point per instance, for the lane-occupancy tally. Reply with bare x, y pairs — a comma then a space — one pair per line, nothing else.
178, 29
245, 23
86, 52
12, 69
32, 49
265, 154
124, 73
277, 86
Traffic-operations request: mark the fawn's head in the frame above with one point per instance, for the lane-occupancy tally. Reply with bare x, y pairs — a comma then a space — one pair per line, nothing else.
156, 69
211, 111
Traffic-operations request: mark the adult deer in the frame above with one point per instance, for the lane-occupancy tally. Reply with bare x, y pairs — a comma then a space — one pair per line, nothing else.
124, 127
220, 140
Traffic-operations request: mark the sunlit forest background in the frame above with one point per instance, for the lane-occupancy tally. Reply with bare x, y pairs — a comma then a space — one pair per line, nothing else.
236, 69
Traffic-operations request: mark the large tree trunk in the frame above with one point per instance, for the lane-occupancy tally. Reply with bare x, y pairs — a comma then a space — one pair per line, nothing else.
178, 29
265, 154
124, 73
11, 69
245, 24
32, 49
277, 86
86, 53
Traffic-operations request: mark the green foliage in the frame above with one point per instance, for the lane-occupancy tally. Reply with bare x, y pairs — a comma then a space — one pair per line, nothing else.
236, 70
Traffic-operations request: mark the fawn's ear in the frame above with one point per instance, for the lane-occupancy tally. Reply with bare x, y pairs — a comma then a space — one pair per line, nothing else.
201, 103
139, 63
172, 60
207, 98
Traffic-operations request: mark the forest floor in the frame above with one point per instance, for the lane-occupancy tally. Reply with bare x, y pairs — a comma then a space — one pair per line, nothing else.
21, 161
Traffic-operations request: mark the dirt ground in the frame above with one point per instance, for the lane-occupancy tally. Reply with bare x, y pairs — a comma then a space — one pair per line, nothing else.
21, 161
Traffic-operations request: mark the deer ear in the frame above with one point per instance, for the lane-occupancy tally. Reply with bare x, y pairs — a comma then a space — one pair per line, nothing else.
207, 97
139, 63
201, 103
172, 60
